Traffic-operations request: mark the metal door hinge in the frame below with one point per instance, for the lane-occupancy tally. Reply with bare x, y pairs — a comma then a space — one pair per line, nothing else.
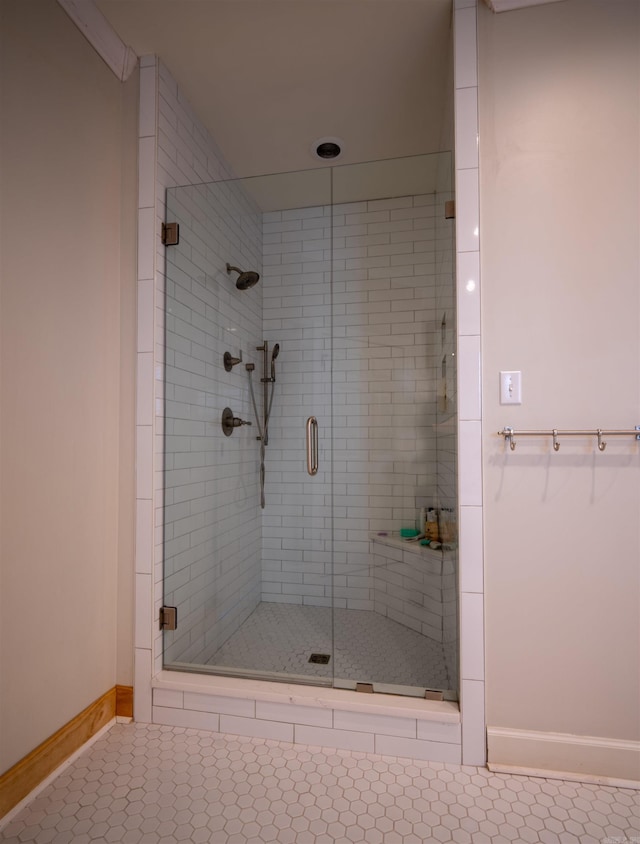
450, 209
170, 234
168, 618
432, 694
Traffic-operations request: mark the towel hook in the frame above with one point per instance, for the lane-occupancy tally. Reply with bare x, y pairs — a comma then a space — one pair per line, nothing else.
556, 444
601, 444
508, 434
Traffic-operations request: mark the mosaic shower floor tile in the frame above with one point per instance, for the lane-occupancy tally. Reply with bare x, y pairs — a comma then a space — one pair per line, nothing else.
366, 647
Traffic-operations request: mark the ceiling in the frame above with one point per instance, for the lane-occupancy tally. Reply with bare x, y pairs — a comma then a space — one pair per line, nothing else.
269, 77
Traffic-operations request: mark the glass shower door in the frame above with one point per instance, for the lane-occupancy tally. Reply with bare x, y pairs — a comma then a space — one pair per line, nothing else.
309, 417
395, 624
297, 523
247, 528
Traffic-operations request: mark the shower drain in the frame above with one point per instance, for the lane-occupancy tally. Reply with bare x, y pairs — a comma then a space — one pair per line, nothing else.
320, 659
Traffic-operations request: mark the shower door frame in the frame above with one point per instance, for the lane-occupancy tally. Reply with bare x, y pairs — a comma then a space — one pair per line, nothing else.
153, 180
226, 578
225, 215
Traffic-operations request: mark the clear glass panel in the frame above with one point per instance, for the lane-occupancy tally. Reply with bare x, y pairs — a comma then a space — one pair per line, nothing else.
356, 297
252, 583
392, 266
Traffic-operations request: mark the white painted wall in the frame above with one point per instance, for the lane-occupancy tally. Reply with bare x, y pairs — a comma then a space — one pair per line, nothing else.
68, 253
559, 132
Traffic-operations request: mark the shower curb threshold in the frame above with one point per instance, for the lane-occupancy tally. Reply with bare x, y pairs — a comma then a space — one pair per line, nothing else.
443, 712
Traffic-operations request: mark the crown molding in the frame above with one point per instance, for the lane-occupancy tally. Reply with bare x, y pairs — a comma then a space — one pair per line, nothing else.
102, 36
510, 5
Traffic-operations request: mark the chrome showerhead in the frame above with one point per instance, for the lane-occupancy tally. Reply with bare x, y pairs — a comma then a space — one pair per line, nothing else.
244, 280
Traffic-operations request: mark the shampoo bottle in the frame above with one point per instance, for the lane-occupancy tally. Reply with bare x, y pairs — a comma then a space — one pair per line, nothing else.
422, 520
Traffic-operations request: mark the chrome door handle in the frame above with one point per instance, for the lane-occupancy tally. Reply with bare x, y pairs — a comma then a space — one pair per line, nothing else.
312, 445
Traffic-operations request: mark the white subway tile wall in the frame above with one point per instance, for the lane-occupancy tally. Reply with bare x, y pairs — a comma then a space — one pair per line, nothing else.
144, 594
296, 534
469, 345
212, 560
376, 422
421, 737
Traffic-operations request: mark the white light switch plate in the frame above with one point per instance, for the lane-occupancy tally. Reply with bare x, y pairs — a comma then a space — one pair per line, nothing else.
510, 387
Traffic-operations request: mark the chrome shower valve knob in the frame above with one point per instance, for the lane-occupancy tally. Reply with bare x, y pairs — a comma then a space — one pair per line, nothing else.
230, 422
229, 361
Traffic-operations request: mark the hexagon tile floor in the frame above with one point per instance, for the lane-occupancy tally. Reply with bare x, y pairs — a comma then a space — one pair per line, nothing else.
141, 783
365, 646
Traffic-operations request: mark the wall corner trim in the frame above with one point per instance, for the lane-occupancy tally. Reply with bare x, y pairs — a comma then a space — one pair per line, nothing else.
102, 36
31, 770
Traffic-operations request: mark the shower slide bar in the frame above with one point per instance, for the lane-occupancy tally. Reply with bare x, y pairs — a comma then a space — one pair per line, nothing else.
509, 435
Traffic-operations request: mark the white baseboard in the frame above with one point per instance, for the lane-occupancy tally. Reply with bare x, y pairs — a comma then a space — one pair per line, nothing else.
584, 758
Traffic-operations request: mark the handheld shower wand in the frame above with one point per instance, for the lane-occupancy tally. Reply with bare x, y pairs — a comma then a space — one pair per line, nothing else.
263, 428
274, 355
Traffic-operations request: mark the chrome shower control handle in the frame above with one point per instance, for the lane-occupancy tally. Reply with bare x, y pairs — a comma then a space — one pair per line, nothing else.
229, 422
229, 361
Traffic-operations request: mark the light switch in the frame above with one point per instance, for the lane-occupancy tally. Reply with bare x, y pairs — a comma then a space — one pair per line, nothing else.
510, 388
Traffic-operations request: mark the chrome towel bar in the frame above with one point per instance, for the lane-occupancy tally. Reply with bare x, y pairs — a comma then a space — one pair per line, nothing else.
510, 434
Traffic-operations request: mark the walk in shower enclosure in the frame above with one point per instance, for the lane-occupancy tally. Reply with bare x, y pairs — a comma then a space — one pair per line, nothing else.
282, 542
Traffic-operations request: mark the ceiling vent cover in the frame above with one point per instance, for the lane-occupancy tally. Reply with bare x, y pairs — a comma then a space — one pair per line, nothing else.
327, 149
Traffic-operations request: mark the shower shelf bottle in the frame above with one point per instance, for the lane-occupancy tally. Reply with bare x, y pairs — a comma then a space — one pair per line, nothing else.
431, 525
422, 520
447, 525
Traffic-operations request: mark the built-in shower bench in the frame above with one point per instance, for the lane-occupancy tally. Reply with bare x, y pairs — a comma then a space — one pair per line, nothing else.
394, 541
417, 587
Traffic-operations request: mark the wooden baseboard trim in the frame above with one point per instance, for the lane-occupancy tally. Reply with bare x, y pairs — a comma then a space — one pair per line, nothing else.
30, 771
124, 701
